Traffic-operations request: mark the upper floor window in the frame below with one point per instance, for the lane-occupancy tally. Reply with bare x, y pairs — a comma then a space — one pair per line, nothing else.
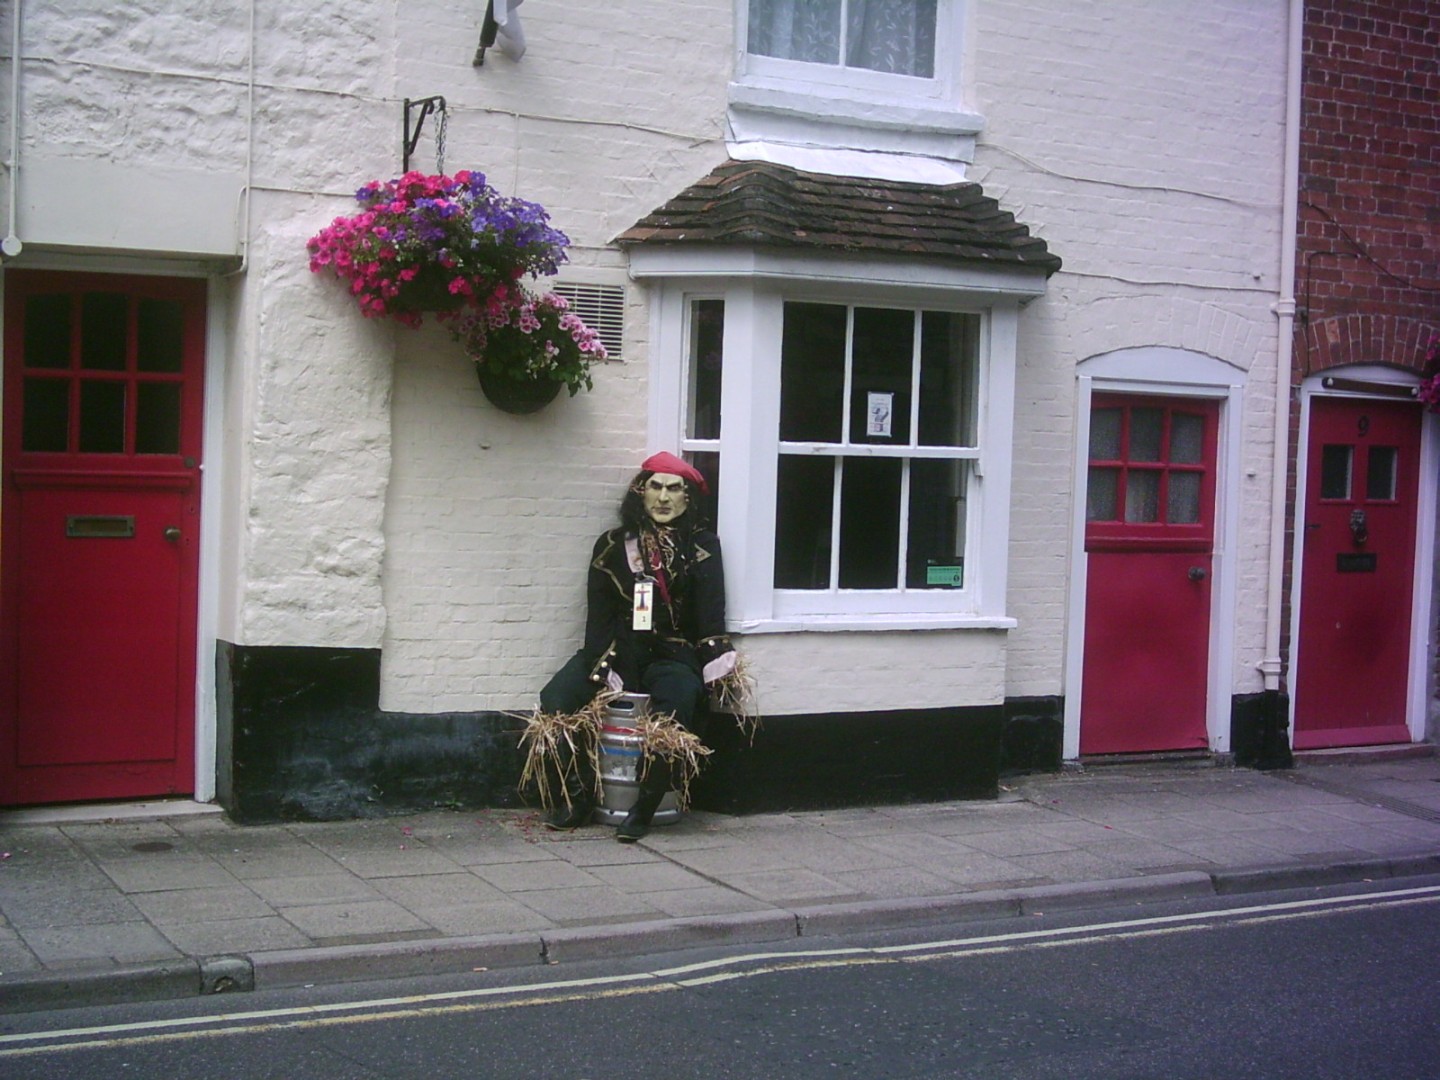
894, 36
879, 75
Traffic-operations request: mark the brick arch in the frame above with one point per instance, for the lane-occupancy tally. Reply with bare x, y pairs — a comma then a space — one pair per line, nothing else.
1366, 339
1117, 323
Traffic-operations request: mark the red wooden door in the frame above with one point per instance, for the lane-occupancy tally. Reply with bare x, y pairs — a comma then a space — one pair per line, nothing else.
1149, 535
1357, 575
98, 553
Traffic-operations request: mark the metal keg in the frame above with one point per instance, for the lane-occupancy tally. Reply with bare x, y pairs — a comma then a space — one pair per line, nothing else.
621, 750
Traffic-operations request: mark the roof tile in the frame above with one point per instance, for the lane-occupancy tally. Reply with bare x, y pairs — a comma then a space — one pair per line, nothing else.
759, 204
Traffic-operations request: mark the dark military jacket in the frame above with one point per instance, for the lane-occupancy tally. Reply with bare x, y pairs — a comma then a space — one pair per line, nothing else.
688, 617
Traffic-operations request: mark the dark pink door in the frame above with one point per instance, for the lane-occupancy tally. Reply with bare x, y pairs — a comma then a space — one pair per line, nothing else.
1357, 579
1149, 539
100, 529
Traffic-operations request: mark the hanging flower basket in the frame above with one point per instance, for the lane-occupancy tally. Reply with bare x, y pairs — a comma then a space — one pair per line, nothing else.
517, 396
436, 245
526, 348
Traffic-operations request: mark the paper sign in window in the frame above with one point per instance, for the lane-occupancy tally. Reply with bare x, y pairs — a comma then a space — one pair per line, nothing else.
879, 414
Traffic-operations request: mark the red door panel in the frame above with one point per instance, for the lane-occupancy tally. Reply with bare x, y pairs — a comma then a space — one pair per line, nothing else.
1149, 537
88, 627
1357, 577
98, 554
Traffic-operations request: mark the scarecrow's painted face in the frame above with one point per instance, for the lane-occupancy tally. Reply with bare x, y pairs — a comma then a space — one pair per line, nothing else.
665, 497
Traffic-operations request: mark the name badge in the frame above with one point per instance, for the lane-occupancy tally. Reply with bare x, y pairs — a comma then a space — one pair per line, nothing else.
643, 613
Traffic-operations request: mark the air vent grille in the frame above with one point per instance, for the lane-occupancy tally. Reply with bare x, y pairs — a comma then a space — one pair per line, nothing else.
602, 307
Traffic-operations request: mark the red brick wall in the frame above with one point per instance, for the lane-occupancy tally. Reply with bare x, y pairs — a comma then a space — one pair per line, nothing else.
1368, 272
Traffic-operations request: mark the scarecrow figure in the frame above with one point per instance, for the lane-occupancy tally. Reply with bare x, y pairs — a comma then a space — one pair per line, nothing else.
655, 624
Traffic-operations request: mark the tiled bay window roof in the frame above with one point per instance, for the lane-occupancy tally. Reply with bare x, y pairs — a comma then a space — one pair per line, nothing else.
758, 204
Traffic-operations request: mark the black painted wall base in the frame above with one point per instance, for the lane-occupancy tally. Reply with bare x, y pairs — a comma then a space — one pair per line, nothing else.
1259, 725
1034, 735
301, 738
852, 759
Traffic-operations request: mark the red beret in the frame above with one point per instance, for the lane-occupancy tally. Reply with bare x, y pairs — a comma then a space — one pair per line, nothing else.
666, 462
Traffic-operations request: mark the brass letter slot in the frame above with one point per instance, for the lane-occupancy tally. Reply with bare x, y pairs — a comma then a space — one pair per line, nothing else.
100, 526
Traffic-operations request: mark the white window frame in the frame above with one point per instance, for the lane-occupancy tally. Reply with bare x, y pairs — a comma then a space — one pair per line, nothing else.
755, 287
871, 99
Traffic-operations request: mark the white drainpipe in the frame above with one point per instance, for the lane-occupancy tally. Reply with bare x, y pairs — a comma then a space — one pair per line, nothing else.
10, 246
1284, 308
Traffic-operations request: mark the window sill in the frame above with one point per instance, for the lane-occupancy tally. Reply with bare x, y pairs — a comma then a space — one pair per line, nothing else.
865, 623
834, 105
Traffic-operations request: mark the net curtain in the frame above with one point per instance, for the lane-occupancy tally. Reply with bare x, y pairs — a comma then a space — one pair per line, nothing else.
894, 36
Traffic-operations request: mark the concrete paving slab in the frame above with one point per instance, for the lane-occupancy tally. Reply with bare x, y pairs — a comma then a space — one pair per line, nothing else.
1230, 851
64, 907
594, 904
471, 854
722, 862
893, 884
526, 877
166, 873
1014, 842
705, 900
295, 862
400, 861
648, 877
1202, 821
211, 937
109, 943
370, 919
1077, 833
33, 874
791, 886
15, 956
438, 890
916, 848
496, 917
603, 850
201, 905
1060, 866
310, 889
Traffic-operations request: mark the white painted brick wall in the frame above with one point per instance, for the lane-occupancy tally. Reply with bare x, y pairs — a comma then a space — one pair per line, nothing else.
1143, 142
1140, 139
864, 672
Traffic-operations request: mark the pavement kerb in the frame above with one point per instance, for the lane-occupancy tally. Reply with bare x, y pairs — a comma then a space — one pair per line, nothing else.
394, 959
36, 991
640, 938
31, 991
1263, 878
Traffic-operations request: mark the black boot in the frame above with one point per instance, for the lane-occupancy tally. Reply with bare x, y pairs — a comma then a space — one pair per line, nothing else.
576, 805
572, 815
637, 822
654, 786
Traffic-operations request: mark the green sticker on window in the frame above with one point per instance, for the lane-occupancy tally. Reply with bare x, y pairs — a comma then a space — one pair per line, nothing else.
954, 576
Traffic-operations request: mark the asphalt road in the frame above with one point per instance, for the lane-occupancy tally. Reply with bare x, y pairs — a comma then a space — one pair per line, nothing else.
1339, 983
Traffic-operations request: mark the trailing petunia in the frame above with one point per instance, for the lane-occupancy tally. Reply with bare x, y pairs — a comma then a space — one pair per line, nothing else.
529, 338
439, 244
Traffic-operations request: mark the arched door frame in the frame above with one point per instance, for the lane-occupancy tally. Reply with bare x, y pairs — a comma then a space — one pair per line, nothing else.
1350, 381
1167, 372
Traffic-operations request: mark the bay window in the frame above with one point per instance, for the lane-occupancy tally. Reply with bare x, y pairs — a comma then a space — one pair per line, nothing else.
857, 441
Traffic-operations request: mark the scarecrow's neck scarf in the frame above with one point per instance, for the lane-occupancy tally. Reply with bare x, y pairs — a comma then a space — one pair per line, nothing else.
660, 554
